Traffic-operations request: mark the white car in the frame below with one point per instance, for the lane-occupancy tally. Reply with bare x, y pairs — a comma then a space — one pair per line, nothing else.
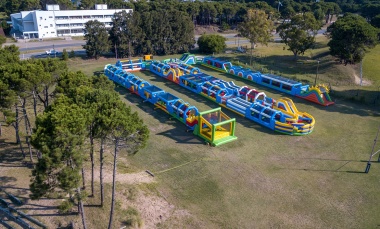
52, 52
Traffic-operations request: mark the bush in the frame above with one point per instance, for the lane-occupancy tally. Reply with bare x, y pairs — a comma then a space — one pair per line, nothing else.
65, 206
225, 26
133, 218
2, 40
65, 55
211, 43
72, 54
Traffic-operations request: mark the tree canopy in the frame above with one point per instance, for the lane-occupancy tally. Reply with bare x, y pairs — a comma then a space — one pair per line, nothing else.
159, 31
257, 28
211, 43
96, 37
351, 36
299, 33
59, 135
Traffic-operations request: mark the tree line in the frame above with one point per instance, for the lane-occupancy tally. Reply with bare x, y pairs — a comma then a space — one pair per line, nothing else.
201, 12
158, 32
73, 113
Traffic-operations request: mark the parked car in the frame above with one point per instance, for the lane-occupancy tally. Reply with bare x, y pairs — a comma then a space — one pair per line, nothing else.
52, 52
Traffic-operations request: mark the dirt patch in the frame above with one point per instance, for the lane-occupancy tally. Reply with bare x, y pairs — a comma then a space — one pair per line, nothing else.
364, 81
199, 30
128, 178
154, 210
209, 29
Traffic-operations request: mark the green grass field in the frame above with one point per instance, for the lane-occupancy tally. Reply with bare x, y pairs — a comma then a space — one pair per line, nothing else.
262, 180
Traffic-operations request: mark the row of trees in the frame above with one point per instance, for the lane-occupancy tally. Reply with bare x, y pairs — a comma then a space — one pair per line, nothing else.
157, 32
351, 35
201, 12
73, 113
298, 34
150, 32
228, 13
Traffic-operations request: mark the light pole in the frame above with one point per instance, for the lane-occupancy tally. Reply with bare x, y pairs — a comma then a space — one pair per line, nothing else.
316, 75
115, 51
361, 73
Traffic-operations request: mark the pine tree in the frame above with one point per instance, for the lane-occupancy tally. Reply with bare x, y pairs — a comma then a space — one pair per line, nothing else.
126, 132
59, 136
96, 37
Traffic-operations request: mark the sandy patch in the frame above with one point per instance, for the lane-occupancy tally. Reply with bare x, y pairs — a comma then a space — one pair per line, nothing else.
364, 81
128, 178
154, 209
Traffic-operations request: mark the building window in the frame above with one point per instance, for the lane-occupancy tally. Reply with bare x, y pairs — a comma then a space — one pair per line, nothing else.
63, 31
76, 31
50, 16
76, 25
75, 17
53, 32
62, 18
46, 27
40, 18
62, 25
51, 25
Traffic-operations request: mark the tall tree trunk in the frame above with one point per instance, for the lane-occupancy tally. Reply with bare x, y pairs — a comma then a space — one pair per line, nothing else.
81, 210
17, 129
35, 103
83, 179
101, 172
92, 161
42, 100
113, 182
46, 96
1, 130
27, 129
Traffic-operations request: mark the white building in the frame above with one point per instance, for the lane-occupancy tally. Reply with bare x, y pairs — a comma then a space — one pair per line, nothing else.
54, 22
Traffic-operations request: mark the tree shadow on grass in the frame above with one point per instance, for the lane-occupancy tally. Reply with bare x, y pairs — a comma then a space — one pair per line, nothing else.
180, 135
336, 170
177, 132
328, 170
10, 155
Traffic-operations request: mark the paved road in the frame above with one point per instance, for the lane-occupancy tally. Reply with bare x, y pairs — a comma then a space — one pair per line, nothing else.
76, 45
58, 47
45, 45
80, 52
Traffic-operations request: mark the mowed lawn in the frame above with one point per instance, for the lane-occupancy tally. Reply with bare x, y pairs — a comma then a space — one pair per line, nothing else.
264, 179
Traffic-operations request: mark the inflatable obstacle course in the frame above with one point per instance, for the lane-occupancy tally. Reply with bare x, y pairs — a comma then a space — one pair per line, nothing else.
247, 102
186, 58
215, 134
318, 94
